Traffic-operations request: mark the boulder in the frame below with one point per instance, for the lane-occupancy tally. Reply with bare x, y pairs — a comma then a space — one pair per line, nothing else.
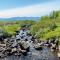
24, 45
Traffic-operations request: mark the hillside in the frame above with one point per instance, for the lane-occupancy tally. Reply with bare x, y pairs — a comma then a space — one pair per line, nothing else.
47, 27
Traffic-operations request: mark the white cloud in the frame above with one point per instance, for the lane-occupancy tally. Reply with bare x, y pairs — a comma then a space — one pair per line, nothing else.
28, 11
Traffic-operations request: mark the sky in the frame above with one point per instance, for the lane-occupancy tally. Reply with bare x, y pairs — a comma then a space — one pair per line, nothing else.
27, 8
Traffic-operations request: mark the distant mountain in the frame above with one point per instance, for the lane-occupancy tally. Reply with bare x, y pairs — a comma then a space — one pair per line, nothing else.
19, 18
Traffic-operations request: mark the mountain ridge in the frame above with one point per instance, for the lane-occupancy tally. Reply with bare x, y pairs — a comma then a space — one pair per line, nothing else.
19, 18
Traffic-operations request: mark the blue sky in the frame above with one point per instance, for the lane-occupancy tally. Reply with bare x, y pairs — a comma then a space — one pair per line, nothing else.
27, 8
6, 4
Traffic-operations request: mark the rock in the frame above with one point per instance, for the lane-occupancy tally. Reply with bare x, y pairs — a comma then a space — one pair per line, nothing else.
58, 55
3, 45
59, 48
2, 55
24, 45
53, 47
38, 47
24, 52
14, 49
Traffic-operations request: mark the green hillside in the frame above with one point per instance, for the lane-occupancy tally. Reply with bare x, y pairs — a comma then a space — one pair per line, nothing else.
47, 27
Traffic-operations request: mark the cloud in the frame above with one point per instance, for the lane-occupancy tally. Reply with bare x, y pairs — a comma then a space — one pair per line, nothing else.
30, 11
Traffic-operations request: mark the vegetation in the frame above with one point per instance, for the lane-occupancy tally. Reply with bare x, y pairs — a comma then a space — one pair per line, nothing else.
47, 27
11, 27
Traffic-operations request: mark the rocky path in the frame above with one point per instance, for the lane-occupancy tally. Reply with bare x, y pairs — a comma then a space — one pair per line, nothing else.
44, 54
